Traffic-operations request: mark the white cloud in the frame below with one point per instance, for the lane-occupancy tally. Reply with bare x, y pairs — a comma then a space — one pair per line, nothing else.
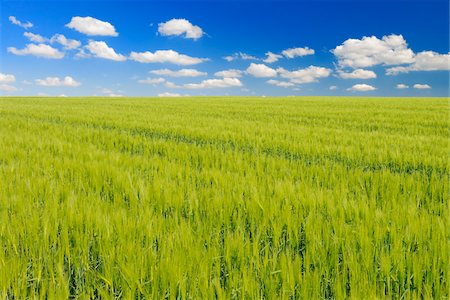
214, 83
294, 52
56, 81
167, 94
333, 88
102, 50
7, 78
357, 74
230, 73
152, 80
82, 54
307, 75
68, 44
421, 86
179, 73
279, 83
35, 37
40, 50
402, 86
62, 95
424, 61
171, 85
7, 88
180, 27
21, 24
92, 26
361, 88
261, 70
111, 93
165, 56
239, 55
271, 57
371, 51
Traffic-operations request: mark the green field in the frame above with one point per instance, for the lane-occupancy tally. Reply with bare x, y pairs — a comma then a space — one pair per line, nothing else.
246, 198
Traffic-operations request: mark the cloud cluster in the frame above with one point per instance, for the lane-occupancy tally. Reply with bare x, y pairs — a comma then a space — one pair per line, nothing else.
232, 73
152, 80
168, 94
34, 37
180, 27
261, 70
102, 50
56, 81
68, 44
272, 57
165, 56
179, 73
424, 61
294, 52
92, 26
306, 75
7, 88
361, 88
214, 83
370, 51
39, 50
421, 86
25, 25
357, 74
279, 83
239, 55
5, 79
402, 86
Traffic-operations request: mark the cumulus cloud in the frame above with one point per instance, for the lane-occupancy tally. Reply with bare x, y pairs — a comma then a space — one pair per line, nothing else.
294, 52
307, 75
92, 26
7, 78
25, 25
82, 54
370, 51
35, 37
39, 50
56, 81
421, 86
401, 86
167, 94
271, 57
361, 88
152, 80
102, 50
239, 55
333, 88
424, 61
179, 73
214, 83
180, 27
279, 83
357, 74
7, 88
230, 73
165, 56
261, 70
68, 44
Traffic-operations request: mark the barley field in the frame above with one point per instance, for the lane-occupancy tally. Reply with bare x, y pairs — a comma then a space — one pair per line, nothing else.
228, 198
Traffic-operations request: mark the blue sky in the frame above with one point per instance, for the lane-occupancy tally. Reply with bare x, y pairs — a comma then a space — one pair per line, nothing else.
168, 48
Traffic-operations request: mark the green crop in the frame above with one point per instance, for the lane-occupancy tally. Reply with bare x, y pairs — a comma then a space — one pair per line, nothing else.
246, 198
